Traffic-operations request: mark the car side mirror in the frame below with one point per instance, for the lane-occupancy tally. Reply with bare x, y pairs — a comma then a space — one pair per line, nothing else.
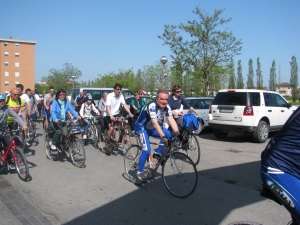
288, 105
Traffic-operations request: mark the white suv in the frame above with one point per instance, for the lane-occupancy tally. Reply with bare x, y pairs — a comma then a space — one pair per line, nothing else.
248, 111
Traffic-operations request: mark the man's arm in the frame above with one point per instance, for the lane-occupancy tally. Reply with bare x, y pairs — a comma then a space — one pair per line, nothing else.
127, 110
16, 117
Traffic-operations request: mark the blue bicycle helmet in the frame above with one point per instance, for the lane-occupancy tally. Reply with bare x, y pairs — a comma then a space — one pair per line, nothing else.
2, 96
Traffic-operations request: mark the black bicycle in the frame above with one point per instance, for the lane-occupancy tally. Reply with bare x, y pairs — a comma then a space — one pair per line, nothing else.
71, 145
179, 173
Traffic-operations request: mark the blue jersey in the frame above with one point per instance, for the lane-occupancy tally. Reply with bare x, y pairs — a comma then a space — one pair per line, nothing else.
149, 112
283, 150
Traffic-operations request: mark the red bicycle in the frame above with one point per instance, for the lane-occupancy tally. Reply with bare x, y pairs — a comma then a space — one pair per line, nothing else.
18, 159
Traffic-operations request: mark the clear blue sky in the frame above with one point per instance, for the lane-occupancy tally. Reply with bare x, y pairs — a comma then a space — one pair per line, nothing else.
98, 37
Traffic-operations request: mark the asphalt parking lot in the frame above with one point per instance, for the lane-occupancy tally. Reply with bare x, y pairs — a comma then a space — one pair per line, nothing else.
227, 191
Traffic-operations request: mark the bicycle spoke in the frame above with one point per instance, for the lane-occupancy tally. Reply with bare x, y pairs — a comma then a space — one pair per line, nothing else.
179, 175
21, 164
131, 164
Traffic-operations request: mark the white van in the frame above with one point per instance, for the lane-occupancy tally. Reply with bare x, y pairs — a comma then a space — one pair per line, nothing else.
96, 93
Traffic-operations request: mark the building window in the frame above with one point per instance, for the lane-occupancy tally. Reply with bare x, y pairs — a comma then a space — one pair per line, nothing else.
17, 82
6, 83
6, 74
5, 44
17, 54
5, 53
5, 63
17, 64
17, 45
17, 74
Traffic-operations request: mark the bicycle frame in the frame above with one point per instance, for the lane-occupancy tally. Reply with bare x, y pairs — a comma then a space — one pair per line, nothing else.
12, 145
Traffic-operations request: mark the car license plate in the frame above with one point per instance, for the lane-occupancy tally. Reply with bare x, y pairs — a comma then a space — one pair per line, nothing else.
225, 110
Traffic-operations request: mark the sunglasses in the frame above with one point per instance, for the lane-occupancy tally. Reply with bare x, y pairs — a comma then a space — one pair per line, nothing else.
62, 95
118, 89
178, 91
2, 100
16, 94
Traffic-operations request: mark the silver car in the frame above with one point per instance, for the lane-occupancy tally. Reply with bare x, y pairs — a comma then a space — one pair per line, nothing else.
201, 104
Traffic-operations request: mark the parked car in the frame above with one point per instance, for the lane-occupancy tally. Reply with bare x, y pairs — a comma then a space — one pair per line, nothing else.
201, 104
248, 111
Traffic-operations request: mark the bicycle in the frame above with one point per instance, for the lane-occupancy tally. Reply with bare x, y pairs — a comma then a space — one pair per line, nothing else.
31, 133
71, 145
190, 145
18, 158
15, 130
179, 173
121, 136
92, 131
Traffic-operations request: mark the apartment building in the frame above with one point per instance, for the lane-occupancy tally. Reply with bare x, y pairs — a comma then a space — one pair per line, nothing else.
16, 63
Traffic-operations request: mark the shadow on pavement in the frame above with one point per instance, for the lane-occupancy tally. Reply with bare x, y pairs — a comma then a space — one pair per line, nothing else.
211, 202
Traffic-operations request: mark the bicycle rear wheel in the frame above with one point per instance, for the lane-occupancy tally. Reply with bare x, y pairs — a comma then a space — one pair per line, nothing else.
21, 164
51, 154
193, 148
131, 163
128, 139
77, 151
179, 175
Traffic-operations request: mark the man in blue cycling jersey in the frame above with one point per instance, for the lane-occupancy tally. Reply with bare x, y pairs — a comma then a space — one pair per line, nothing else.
150, 123
280, 167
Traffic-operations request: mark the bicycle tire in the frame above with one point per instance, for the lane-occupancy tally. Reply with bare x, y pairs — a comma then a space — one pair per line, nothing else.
31, 132
76, 151
95, 134
131, 163
101, 139
244, 223
21, 164
193, 148
21, 140
129, 139
51, 154
179, 175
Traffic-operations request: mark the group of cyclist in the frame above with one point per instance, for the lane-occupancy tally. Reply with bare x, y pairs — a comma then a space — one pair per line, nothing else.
280, 170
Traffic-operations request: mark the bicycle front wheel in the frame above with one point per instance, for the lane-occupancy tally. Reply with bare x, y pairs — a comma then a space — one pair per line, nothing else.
77, 151
31, 132
193, 148
51, 154
179, 175
131, 163
21, 164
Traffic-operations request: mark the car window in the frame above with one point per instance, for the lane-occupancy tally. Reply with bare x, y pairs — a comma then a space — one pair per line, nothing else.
146, 99
230, 98
254, 98
280, 100
269, 100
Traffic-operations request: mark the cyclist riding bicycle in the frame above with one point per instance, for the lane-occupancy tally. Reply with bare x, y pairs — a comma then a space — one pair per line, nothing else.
150, 123
6, 111
59, 110
280, 167
175, 101
113, 103
86, 113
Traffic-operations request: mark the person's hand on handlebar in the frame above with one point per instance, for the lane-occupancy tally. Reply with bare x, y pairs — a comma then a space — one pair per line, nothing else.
165, 141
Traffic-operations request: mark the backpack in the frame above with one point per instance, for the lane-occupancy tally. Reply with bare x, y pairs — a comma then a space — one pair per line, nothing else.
190, 122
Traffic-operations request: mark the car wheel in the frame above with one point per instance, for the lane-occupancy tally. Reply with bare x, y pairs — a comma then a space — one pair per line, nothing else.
220, 134
261, 132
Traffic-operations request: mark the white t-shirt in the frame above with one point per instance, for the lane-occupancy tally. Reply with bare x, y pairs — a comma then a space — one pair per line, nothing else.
37, 97
114, 102
25, 98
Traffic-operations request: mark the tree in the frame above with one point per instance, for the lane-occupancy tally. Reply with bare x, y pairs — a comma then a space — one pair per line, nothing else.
272, 80
231, 84
259, 76
294, 78
239, 79
206, 48
250, 84
138, 81
61, 78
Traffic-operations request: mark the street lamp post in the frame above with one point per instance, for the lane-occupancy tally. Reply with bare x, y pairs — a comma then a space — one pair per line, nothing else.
73, 77
164, 60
